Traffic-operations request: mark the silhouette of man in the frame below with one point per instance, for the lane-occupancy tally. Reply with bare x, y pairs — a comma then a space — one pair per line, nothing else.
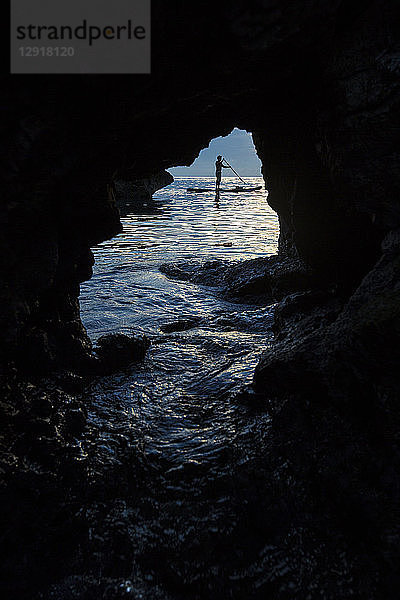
218, 172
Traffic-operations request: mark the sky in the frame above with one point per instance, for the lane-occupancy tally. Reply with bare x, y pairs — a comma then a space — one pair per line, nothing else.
237, 148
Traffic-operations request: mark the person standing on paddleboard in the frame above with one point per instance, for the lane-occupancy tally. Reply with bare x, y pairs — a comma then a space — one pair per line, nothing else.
218, 172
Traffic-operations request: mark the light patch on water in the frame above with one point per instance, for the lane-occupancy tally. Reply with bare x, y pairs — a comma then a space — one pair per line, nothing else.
191, 372
128, 291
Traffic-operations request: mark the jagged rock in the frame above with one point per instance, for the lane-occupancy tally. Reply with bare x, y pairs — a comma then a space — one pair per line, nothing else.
178, 271
75, 421
299, 314
181, 325
332, 391
69, 381
270, 278
117, 351
347, 357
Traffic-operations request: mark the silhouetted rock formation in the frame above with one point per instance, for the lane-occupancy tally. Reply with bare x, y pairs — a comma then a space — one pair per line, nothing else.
258, 279
130, 195
117, 351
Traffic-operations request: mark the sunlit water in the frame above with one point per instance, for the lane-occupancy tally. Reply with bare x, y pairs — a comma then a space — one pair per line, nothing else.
175, 407
129, 292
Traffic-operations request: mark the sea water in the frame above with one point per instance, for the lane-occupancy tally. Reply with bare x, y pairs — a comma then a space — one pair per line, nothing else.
196, 453
129, 292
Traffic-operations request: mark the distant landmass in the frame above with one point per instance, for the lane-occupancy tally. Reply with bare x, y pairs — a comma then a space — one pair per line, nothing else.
237, 148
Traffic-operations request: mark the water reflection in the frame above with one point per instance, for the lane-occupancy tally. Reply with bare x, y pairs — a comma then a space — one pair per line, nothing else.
179, 226
191, 450
128, 292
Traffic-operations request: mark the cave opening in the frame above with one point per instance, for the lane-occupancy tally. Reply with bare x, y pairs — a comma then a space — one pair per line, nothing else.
237, 148
168, 476
177, 246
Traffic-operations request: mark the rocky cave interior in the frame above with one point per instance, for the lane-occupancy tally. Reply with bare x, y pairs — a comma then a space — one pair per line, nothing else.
317, 84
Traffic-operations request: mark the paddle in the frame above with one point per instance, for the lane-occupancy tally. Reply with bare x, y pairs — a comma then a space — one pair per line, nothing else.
237, 174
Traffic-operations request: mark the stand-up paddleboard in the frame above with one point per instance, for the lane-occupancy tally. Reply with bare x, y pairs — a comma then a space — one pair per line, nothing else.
236, 189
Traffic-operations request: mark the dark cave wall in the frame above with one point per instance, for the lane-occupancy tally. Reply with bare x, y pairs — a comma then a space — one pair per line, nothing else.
330, 149
318, 224
318, 85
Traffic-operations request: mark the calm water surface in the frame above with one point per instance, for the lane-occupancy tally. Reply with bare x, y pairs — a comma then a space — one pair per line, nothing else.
175, 407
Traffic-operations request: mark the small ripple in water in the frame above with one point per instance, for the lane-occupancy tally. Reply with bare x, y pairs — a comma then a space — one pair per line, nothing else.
193, 449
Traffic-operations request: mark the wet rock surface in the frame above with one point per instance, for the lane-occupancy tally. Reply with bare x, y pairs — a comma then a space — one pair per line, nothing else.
131, 522
332, 390
117, 351
259, 279
181, 325
276, 511
43, 472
